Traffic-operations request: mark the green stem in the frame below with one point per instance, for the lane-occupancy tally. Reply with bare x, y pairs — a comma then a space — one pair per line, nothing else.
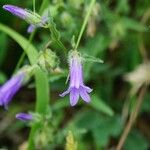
21, 59
85, 23
41, 103
33, 5
42, 99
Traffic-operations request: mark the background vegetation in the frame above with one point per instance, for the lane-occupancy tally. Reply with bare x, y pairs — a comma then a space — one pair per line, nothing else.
117, 32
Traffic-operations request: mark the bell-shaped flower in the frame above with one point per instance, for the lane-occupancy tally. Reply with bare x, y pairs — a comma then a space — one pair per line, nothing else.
10, 88
76, 86
34, 19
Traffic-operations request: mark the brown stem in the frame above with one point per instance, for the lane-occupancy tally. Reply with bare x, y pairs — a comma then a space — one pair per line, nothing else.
132, 119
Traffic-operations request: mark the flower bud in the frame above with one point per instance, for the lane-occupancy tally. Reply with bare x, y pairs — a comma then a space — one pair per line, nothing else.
48, 60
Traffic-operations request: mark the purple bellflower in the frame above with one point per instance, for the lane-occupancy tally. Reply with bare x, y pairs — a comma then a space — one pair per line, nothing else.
9, 89
76, 86
24, 116
30, 17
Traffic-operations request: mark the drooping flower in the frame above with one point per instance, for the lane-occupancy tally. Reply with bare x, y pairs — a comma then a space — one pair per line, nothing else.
76, 86
24, 116
34, 19
10, 88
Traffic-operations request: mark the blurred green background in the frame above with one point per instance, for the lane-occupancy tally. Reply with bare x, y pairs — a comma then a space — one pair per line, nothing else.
118, 32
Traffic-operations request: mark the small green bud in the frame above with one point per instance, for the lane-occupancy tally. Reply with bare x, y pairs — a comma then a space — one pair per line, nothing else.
48, 60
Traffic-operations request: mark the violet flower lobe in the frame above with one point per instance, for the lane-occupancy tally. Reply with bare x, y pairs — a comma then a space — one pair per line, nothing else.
24, 116
76, 86
10, 88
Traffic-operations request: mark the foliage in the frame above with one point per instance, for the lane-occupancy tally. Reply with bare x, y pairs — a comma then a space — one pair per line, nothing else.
118, 33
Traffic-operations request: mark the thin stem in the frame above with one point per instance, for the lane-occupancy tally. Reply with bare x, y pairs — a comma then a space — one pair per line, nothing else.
20, 61
23, 53
33, 5
132, 119
85, 23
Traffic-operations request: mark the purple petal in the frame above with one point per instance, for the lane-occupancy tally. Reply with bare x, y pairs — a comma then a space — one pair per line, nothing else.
89, 90
1, 101
64, 93
74, 96
9, 95
24, 116
9, 89
12, 82
76, 78
29, 16
31, 28
76, 86
84, 95
22, 13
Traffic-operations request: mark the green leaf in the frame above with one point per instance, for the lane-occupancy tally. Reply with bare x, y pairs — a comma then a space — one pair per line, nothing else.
122, 6
133, 24
55, 34
133, 139
3, 43
98, 104
102, 127
108, 127
24, 43
2, 77
94, 47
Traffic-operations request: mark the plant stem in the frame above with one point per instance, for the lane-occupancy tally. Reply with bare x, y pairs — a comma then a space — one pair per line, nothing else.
85, 23
132, 118
33, 5
41, 103
42, 98
23, 53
